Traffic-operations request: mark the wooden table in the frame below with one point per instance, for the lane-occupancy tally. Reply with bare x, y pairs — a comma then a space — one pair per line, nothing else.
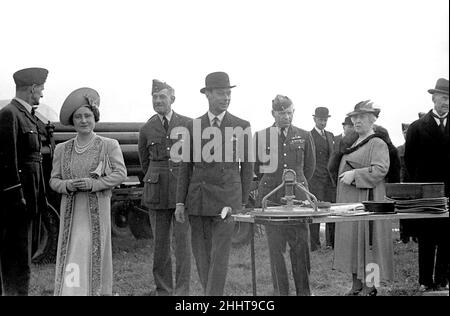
245, 218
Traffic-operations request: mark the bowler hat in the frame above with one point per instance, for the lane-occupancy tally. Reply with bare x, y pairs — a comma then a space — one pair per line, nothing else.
321, 112
75, 100
281, 103
441, 87
365, 107
216, 80
30, 76
347, 121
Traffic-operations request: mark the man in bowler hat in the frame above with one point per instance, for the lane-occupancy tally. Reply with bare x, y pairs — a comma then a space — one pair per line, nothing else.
160, 181
294, 149
22, 191
213, 181
322, 184
427, 159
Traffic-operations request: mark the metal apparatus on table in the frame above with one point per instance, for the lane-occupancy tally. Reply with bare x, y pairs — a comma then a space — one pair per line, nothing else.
289, 182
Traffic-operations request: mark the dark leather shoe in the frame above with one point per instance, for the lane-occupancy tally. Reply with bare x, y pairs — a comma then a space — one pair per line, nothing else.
369, 291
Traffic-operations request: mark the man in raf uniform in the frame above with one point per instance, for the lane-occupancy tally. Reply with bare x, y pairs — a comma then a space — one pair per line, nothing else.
322, 184
215, 179
294, 149
161, 172
21, 182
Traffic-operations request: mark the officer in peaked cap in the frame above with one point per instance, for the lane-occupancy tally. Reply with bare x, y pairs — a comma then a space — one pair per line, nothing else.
21, 185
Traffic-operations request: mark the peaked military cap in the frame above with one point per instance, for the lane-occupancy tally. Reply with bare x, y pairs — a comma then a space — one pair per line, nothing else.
281, 103
30, 76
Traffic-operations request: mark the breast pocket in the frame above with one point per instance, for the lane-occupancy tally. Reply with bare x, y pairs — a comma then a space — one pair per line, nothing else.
31, 138
152, 189
297, 148
154, 149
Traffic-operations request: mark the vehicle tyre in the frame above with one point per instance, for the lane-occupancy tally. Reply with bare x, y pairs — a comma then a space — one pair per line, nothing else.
119, 219
139, 223
48, 241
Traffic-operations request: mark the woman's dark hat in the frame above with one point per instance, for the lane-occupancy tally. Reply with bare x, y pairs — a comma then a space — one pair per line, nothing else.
364, 107
216, 80
75, 100
441, 87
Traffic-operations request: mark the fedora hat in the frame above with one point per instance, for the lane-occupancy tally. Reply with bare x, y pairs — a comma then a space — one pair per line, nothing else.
321, 112
364, 107
441, 87
216, 80
347, 121
75, 100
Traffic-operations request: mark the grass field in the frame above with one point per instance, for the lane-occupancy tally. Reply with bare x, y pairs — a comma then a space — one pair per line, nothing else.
132, 261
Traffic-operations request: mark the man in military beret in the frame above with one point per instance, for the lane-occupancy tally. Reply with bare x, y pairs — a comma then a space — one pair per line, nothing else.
21, 183
161, 173
293, 149
322, 184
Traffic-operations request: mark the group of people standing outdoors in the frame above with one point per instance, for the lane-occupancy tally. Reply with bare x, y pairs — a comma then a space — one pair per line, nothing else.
190, 192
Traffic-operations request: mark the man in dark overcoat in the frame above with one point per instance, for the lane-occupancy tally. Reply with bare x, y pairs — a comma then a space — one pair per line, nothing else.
21, 183
284, 146
322, 184
215, 181
160, 182
427, 156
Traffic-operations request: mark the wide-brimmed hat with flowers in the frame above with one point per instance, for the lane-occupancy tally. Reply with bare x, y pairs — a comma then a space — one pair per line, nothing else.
364, 107
75, 100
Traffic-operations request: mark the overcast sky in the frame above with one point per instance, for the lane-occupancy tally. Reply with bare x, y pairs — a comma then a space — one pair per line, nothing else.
319, 53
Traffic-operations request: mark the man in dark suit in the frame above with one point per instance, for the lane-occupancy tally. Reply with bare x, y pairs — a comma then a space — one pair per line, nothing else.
22, 191
288, 147
160, 182
322, 184
427, 159
215, 179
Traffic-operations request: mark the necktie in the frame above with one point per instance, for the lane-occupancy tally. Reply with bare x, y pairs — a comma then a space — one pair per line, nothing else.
33, 110
282, 134
165, 123
215, 121
441, 122
322, 133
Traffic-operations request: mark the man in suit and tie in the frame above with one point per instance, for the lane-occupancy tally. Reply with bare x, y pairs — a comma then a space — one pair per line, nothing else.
427, 159
322, 184
294, 149
22, 189
215, 179
160, 181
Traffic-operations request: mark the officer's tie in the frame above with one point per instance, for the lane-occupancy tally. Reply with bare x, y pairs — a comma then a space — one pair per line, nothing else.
33, 110
215, 122
282, 134
441, 122
165, 123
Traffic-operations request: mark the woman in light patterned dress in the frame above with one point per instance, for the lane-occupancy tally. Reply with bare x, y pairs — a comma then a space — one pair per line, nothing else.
85, 169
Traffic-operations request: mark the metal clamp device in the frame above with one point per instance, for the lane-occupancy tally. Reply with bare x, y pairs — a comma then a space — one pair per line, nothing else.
289, 181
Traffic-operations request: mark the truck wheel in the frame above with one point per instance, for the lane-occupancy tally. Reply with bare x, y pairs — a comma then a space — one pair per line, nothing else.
139, 223
119, 219
48, 242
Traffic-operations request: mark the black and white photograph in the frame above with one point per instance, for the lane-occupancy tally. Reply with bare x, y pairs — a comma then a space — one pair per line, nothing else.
224, 153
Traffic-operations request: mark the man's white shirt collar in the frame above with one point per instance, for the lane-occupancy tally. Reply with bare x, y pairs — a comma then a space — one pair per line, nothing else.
212, 116
438, 122
27, 106
168, 116
319, 131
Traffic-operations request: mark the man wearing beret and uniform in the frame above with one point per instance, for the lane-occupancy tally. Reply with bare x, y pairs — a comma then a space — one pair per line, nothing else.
427, 157
294, 149
21, 182
322, 184
160, 181
213, 181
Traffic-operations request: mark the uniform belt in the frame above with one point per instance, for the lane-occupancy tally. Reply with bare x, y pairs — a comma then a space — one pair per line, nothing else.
33, 157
